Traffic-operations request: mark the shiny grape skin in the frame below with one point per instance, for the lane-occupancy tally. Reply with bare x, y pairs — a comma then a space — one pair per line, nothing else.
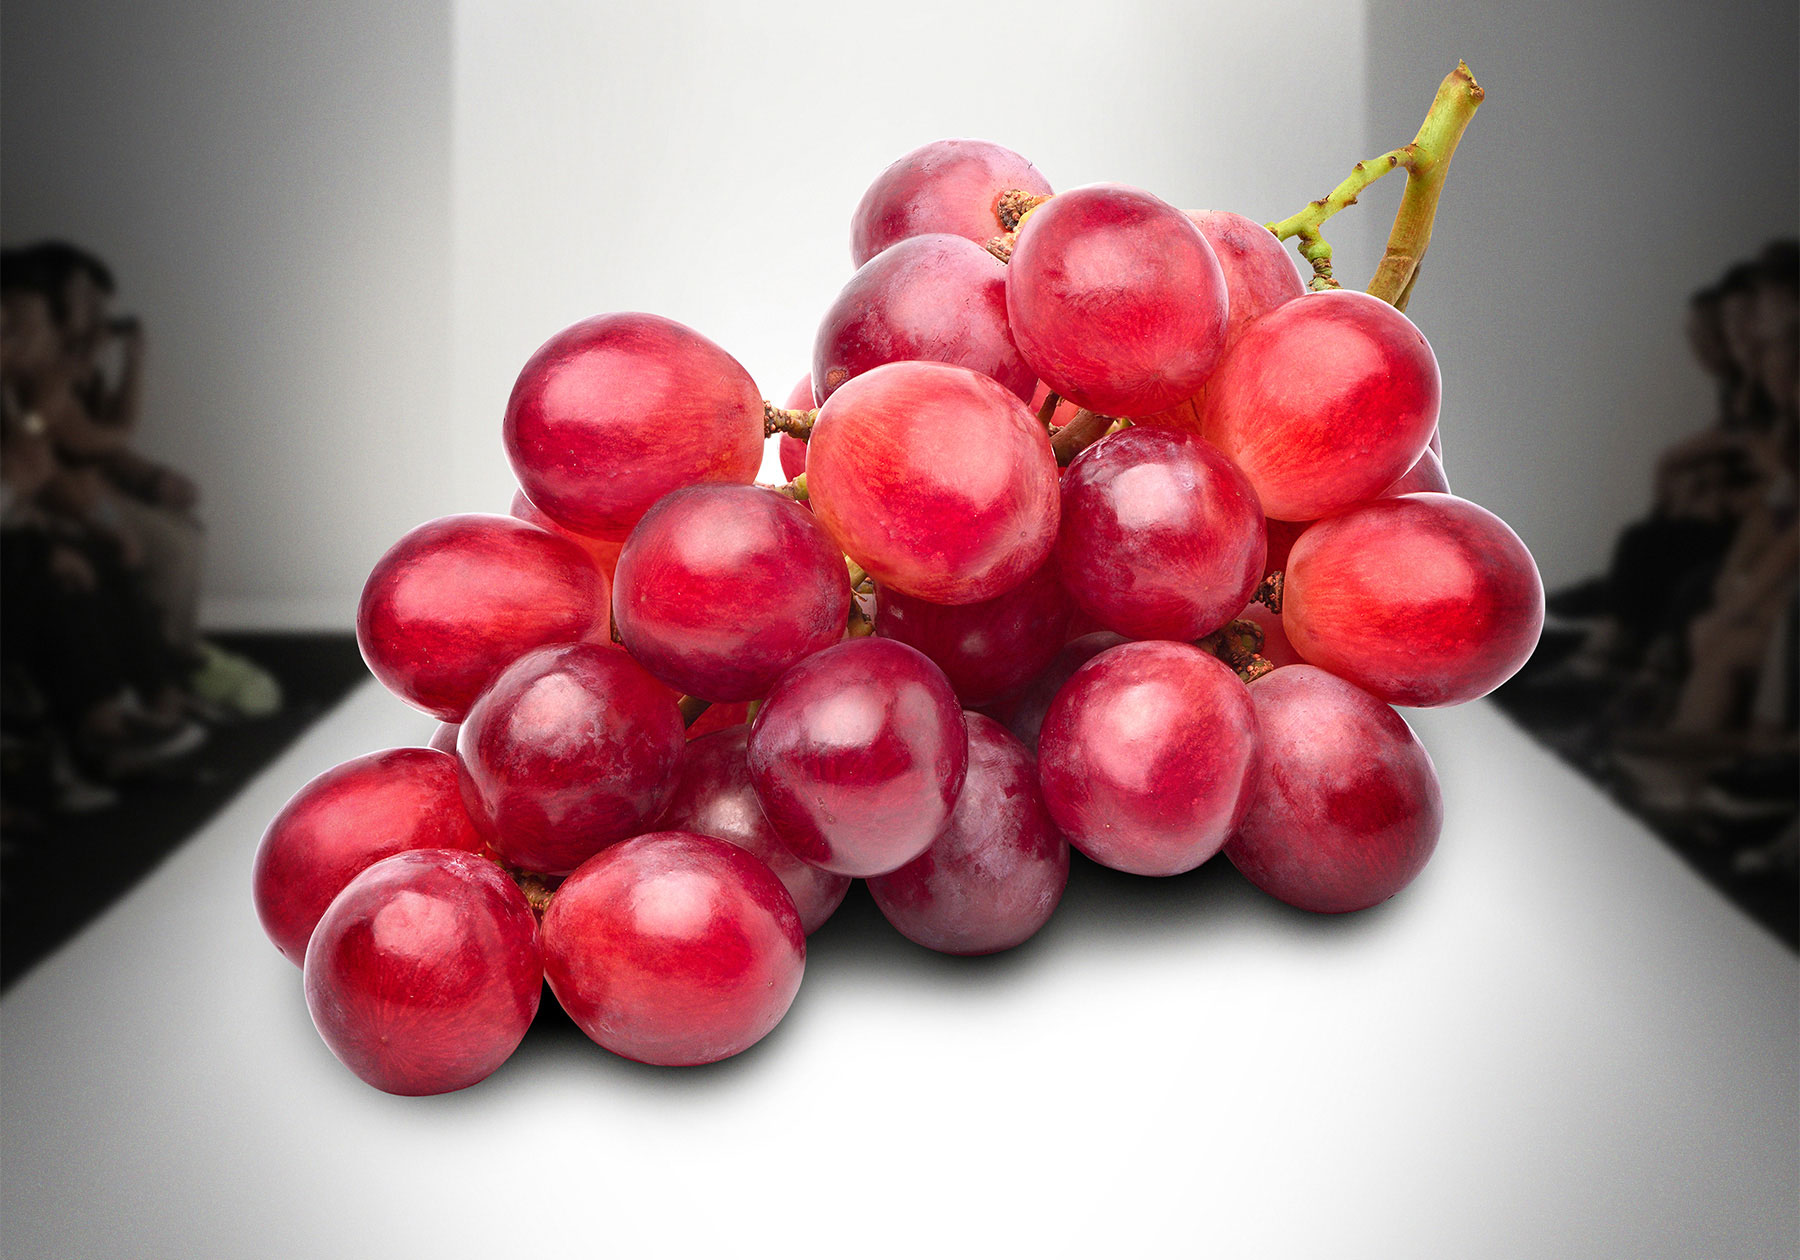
425, 972
1024, 717
996, 873
939, 298
674, 949
1162, 537
344, 821
458, 599
1148, 757
1259, 272
935, 479
1347, 808
791, 449
605, 553
858, 755
945, 186
572, 748
714, 797
985, 649
614, 412
721, 588
1421, 600
1427, 474
1324, 402
443, 738
1116, 300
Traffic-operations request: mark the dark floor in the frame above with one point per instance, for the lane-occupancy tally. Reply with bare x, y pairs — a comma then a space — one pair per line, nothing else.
1572, 718
58, 877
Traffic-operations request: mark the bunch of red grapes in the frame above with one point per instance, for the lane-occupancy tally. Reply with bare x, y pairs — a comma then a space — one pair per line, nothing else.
1105, 533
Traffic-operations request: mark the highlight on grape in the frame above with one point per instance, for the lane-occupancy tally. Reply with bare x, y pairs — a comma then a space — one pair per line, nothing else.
1106, 528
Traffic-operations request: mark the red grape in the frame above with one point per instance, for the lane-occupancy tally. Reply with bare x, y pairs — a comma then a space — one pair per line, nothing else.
1324, 402
935, 479
988, 648
1421, 600
1426, 474
1162, 537
605, 554
444, 738
459, 598
345, 820
1282, 537
995, 874
1347, 808
1259, 272
425, 972
945, 186
791, 449
714, 797
719, 717
1025, 718
721, 588
1147, 757
1275, 647
1116, 300
614, 412
674, 949
857, 756
936, 297
1065, 409
572, 748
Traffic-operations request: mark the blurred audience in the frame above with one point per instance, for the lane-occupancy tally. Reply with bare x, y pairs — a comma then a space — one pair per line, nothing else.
1678, 685
105, 674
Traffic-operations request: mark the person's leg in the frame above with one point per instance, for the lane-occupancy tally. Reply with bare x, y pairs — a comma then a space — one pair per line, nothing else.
174, 547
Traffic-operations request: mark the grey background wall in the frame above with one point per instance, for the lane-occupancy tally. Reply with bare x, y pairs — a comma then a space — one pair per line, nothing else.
347, 224
272, 185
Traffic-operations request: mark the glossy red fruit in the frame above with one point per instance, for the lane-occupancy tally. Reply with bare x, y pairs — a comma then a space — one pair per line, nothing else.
674, 949
1425, 475
425, 972
1116, 300
857, 756
1282, 537
444, 738
1025, 716
719, 717
1259, 272
936, 480
995, 874
945, 186
1324, 402
572, 748
936, 297
612, 413
985, 649
1162, 537
344, 821
714, 797
1347, 808
604, 553
1147, 757
459, 598
721, 589
1422, 600
791, 449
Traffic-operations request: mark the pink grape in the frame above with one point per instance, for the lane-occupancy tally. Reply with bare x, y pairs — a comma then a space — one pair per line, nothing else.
937, 297
721, 588
1259, 272
1162, 537
714, 797
1347, 808
1116, 300
572, 748
613, 413
1324, 402
988, 648
935, 479
858, 755
459, 598
945, 186
1147, 757
1025, 715
1421, 600
604, 553
997, 871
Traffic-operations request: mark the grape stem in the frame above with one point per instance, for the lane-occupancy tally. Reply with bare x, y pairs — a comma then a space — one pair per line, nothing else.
691, 708
1080, 433
783, 420
1269, 590
1047, 412
795, 489
1426, 162
1011, 207
1239, 644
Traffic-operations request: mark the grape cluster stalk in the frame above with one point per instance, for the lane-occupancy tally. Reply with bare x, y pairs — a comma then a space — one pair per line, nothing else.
1105, 530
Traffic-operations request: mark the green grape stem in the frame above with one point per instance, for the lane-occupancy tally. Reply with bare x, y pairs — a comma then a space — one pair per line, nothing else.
1426, 162
783, 420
